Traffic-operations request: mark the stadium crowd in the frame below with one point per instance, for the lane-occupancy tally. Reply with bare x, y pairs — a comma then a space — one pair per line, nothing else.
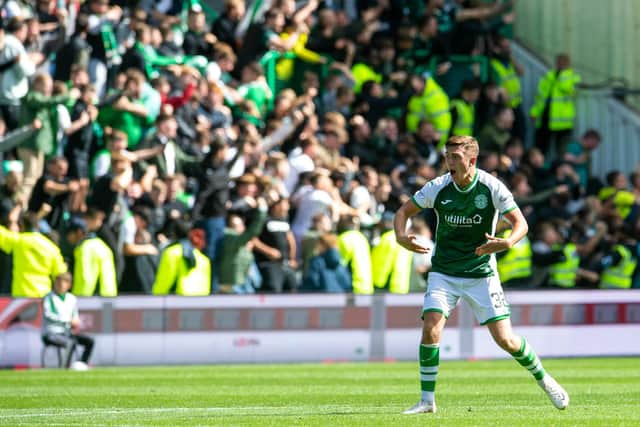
161, 147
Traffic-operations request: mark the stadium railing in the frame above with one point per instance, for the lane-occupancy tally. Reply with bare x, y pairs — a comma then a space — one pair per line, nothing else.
596, 108
462, 68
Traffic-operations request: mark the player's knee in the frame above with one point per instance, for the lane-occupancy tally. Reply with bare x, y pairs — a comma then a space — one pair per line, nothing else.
432, 327
430, 334
508, 342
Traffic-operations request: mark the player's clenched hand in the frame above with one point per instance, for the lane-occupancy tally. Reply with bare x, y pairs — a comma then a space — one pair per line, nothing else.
412, 243
494, 244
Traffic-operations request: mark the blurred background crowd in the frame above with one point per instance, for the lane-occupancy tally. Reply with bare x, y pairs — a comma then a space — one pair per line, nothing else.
194, 147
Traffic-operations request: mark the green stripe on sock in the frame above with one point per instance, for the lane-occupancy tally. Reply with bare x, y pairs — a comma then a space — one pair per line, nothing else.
528, 359
429, 361
521, 351
428, 385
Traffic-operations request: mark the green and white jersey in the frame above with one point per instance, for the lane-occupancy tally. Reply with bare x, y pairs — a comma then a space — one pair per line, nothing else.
58, 312
464, 215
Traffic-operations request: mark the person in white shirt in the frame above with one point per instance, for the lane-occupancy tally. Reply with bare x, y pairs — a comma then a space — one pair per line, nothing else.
362, 197
61, 322
14, 82
312, 200
300, 161
17, 8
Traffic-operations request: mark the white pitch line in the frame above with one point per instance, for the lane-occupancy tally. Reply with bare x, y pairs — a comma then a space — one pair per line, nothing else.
105, 411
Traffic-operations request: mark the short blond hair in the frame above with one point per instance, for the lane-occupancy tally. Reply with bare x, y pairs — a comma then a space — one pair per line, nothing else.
469, 143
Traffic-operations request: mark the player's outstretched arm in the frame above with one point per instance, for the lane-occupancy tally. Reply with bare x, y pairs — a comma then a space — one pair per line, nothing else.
408, 241
497, 244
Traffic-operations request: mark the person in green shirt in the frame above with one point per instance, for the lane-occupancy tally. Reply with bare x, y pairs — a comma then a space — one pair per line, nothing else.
39, 105
143, 55
427, 45
579, 154
254, 88
467, 202
236, 257
128, 112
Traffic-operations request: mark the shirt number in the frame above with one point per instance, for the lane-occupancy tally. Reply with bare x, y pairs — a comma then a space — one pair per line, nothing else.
498, 299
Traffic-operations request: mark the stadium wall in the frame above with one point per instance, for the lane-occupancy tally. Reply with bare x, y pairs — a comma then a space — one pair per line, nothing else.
601, 36
149, 330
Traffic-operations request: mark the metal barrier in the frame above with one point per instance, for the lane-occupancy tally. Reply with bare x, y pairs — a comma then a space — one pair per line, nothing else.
481, 60
618, 124
463, 67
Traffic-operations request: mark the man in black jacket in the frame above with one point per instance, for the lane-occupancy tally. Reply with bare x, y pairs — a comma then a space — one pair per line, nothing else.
212, 175
172, 159
76, 51
198, 40
224, 28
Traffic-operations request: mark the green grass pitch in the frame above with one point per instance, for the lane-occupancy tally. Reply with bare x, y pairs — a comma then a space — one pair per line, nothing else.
604, 392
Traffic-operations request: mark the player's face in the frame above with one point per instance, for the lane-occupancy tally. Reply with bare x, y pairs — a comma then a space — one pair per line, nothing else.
458, 161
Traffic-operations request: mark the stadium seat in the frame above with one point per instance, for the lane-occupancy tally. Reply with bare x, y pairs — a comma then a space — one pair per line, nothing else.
63, 354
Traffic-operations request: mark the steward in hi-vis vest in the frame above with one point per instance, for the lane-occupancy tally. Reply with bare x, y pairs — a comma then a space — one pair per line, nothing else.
564, 273
391, 264
429, 103
37, 261
463, 109
184, 269
619, 272
554, 108
514, 266
356, 254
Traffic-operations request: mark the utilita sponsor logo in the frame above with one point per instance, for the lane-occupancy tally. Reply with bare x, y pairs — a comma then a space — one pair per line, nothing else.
246, 342
459, 220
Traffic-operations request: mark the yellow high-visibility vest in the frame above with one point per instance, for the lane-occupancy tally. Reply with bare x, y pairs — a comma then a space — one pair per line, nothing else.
561, 88
174, 271
355, 253
516, 262
509, 81
93, 265
619, 276
362, 73
433, 106
37, 261
391, 264
623, 200
564, 273
465, 119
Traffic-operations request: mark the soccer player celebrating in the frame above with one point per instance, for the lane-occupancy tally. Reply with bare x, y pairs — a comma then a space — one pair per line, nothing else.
468, 202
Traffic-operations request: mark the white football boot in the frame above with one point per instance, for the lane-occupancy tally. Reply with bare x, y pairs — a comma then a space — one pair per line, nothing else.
558, 395
79, 366
422, 407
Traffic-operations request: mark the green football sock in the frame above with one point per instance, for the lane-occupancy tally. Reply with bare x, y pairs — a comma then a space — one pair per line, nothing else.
529, 360
429, 361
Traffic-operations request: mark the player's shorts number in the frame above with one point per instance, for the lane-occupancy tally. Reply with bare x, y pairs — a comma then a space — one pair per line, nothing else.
498, 299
